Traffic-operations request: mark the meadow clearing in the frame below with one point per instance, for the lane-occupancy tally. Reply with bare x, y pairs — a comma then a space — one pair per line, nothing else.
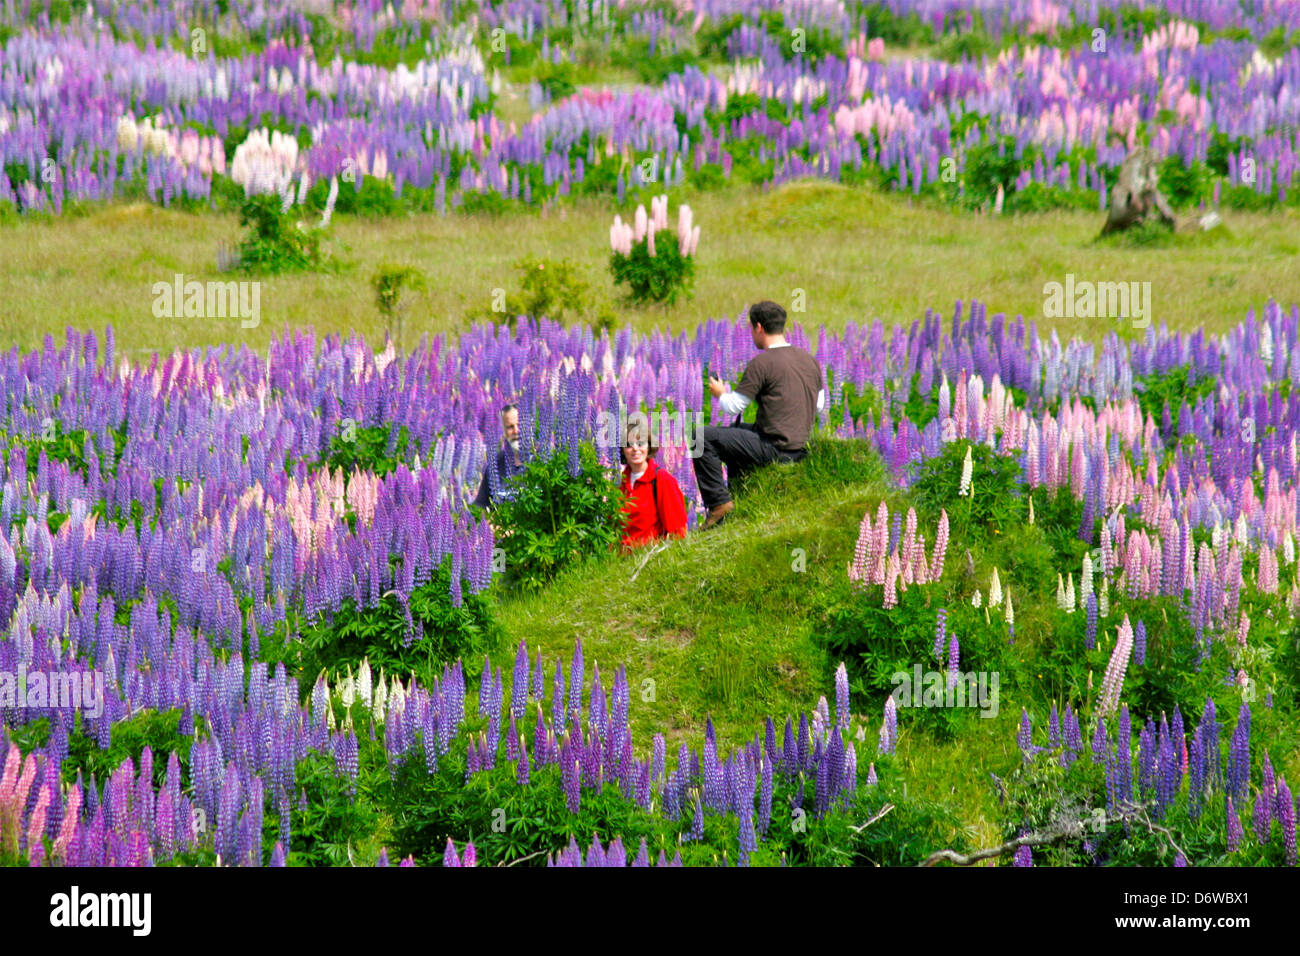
255, 526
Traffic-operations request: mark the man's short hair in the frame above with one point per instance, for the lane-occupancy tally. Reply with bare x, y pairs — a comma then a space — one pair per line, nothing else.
769, 315
507, 409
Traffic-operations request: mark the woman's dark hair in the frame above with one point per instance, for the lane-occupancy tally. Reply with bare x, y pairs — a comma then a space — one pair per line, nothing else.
769, 315
637, 424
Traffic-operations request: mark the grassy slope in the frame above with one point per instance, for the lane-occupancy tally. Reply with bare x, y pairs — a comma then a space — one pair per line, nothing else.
725, 627
857, 255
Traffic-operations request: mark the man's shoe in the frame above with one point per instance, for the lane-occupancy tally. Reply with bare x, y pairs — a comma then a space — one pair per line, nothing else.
717, 514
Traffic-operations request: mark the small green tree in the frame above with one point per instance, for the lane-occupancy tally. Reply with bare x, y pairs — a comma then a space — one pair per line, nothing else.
389, 282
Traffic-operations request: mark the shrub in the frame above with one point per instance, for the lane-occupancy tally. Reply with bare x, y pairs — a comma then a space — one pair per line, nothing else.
556, 518
996, 501
369, 448
274, 242
551, 288
654, 271
416, 636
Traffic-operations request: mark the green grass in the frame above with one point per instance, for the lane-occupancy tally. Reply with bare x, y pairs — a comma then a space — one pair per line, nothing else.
857, 254
725, 626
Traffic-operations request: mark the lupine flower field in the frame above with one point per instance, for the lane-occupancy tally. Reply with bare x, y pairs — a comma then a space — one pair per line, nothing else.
1047, 584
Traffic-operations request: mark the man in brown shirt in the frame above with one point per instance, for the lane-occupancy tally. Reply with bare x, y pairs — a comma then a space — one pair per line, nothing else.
786, 382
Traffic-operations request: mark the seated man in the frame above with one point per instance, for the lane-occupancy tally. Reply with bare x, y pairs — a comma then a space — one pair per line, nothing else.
786, 382
507, 465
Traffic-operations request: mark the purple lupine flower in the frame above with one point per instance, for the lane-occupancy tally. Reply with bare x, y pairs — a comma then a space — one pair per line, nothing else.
1025, 737
1235, 832
615, 855
521, 775
539, 679
1100, 746
765, 799
576, 678
658, 759
1123, 758
1024, 856
842, 697
1180, 860
1140, 644
570, 778
889, 729
485, 687
277, 855
383, 857
559, 704
940, 632
1285, 812
697, 822
642, 856
954, 660
1053, 728
519, 682
1262, 816
1239, 755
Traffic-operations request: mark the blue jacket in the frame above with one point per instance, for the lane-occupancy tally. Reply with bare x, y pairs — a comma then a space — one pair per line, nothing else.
507, 466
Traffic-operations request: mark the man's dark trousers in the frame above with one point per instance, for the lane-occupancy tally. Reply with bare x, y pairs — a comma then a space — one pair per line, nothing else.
742, 448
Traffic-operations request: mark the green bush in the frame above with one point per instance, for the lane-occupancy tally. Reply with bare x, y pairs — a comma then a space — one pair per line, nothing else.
551, 288
335, 822
274, 242
556, 518
997, 501
435, 634
1185, 186
369, 448
658, 278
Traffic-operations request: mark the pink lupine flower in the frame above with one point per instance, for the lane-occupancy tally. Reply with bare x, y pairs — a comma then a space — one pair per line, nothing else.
891, 582
940, 547
1113, 682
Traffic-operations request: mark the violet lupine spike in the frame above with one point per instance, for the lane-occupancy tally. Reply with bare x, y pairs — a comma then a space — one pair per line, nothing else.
1234, 829
1285, 810
842, 697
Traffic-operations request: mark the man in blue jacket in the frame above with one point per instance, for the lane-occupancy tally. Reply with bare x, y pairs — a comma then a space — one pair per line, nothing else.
508, 463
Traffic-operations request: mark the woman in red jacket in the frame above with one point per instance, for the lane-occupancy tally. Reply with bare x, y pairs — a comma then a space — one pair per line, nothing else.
654, 505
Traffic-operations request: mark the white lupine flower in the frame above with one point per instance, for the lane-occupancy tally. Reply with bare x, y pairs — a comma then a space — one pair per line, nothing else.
1241, 530
1069, 593
967, 472
976, 600
348, 689
1011, 610
995, 590
1288, 548
1266, 344
1031, 510
381, 698
1060, 592
1085, 577
1103, 603
363, 682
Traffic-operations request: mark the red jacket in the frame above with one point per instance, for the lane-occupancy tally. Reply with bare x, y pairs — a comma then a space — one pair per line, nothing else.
644, 521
